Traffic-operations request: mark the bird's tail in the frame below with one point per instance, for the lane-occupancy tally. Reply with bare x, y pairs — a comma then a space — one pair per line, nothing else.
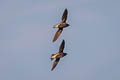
52, 57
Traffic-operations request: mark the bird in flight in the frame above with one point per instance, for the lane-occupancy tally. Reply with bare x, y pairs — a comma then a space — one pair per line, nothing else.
61, 25
58, 55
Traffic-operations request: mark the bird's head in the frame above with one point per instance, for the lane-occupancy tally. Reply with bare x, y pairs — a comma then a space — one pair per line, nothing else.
65, 54
67, 24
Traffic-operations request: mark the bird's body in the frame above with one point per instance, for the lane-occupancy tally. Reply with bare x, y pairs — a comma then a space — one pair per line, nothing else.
60, 26
58, 55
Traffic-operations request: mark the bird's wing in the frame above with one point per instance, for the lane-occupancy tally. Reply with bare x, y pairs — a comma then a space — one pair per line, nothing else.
57, 34
55, 63
61, 48
64, 16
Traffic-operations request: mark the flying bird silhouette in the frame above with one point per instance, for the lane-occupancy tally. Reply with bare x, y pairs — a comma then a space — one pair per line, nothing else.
58, 55
61, 25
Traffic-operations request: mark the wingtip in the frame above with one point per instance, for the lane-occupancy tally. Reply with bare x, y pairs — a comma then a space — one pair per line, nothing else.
51, 69
66, 9
53, 40
63, 40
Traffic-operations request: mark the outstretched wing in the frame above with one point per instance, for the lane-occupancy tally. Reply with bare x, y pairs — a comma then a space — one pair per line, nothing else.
55, 63
57, 34
64, 16
61, 48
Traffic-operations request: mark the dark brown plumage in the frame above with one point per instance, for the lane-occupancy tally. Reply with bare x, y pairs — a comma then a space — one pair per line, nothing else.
62, 25
58, 55
57, 34
55, 63
61, 48
64, 17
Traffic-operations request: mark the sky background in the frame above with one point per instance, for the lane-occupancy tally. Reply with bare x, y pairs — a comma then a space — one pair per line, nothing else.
92, 40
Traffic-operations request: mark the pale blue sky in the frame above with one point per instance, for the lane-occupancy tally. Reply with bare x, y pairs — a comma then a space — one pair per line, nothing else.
92, 40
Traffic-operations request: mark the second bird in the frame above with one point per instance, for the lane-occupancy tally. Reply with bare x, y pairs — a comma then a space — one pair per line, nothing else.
62, 25
58, 55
